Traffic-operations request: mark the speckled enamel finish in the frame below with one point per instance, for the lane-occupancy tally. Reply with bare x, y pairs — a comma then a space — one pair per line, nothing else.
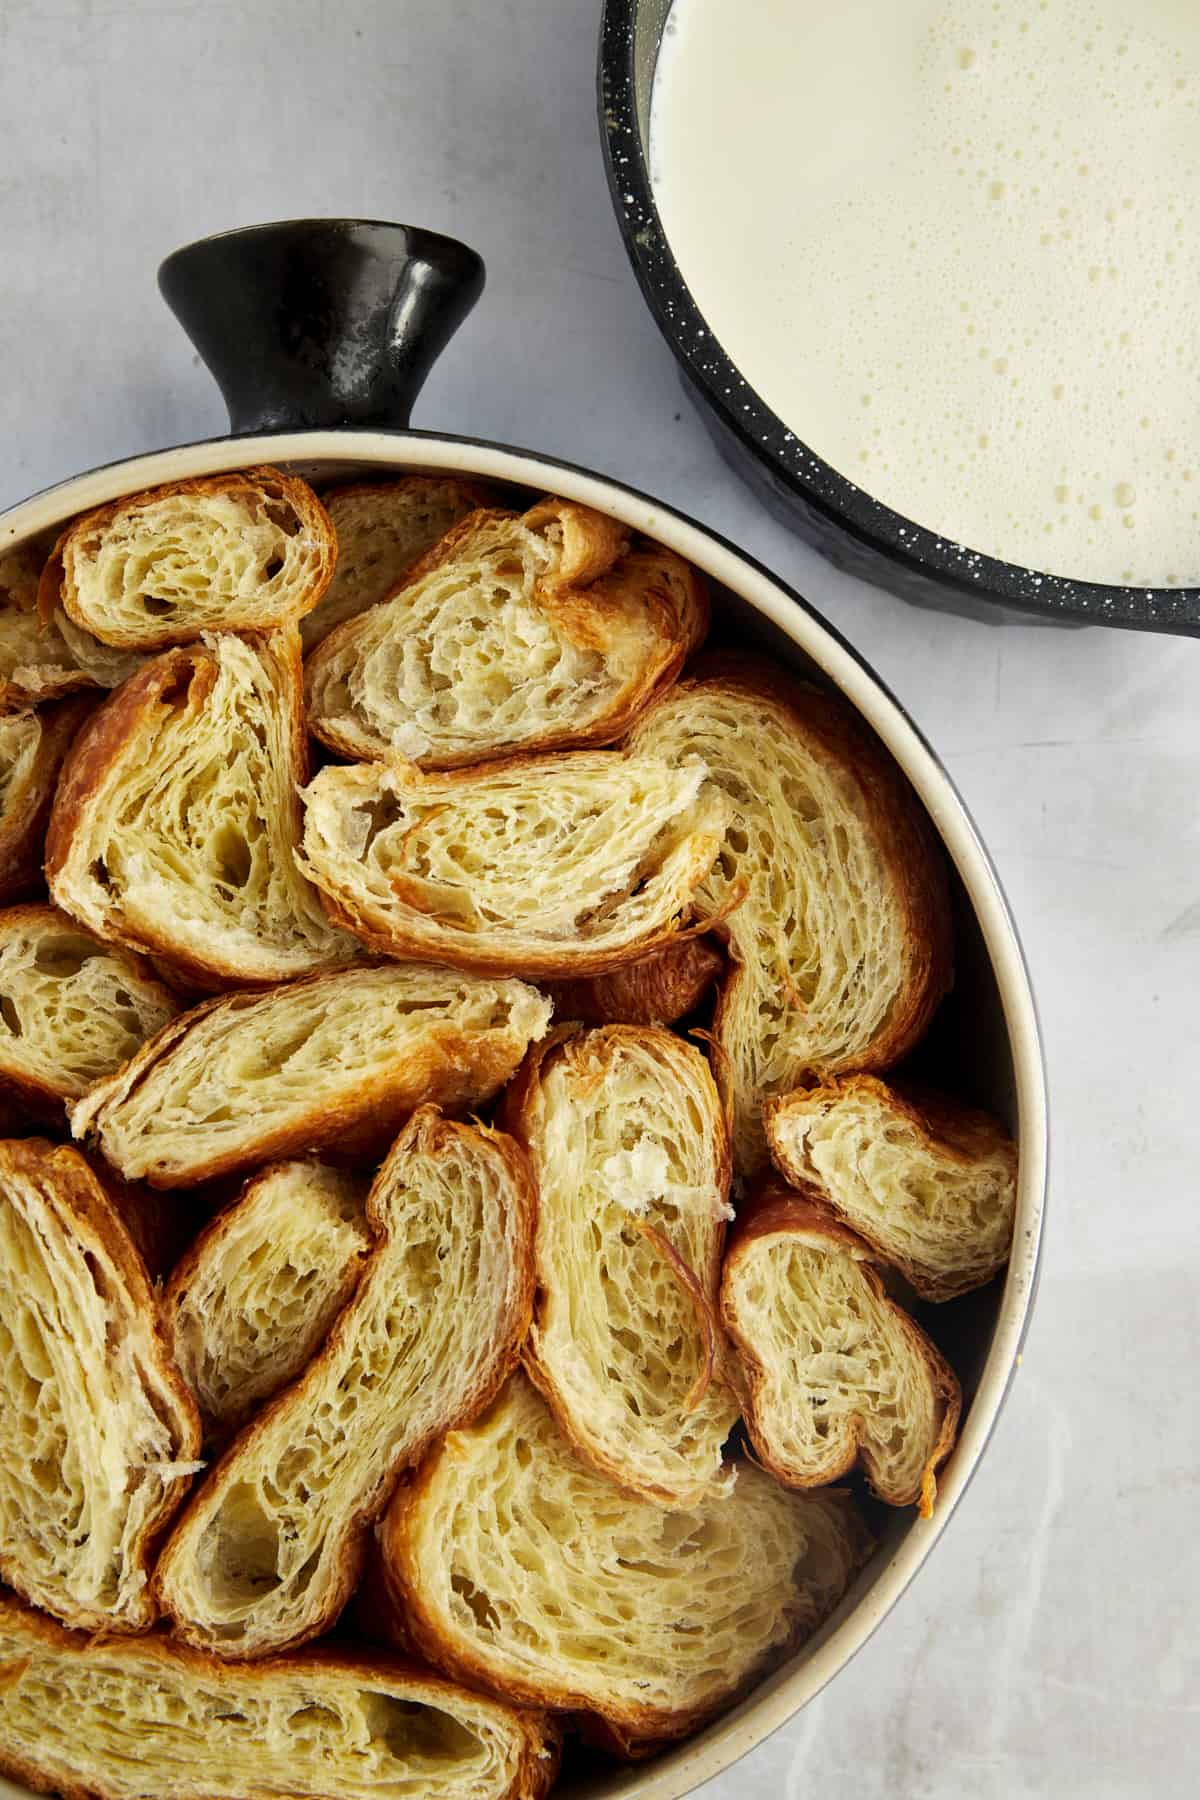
839, 518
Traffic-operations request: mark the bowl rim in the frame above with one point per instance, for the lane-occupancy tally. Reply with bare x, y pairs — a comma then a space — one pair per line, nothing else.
844, 506
781, 1695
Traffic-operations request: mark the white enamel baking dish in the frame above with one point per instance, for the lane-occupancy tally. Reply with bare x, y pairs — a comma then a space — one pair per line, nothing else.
319, 334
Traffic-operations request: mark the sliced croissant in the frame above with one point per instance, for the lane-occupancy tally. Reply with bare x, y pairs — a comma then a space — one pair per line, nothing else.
102, 1719
99, 1432
35, 663
930, 1184
249, 551
21, 566
840, 945
176, 821
103, 666
544, 866
335, 1060
72, 1009
44, 658
32, 748
835, 1372
515, 633
383, 528
268, 1553
257, 1292
508, 1561
627, 1138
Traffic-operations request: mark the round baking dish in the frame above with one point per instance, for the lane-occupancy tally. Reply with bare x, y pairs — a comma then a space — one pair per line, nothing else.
320, 333
842, 520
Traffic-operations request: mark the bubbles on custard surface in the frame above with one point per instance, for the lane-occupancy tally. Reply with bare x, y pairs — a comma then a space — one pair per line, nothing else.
990, 250
1043, 190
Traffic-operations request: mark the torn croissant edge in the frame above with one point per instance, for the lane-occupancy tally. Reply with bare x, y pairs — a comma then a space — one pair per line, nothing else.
776, 1208
693, 933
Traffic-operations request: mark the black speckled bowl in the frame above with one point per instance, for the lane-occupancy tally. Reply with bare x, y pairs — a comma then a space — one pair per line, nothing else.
853, 530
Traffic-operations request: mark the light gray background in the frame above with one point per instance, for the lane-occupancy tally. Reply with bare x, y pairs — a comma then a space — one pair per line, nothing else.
1049, 1649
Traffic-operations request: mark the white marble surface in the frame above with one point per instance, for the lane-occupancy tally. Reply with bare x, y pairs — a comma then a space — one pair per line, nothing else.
1049, 1650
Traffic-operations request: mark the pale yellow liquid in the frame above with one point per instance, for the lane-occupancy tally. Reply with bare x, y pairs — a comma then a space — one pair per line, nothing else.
953, 245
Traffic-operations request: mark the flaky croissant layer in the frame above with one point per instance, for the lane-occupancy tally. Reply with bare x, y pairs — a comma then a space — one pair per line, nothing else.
101, 1720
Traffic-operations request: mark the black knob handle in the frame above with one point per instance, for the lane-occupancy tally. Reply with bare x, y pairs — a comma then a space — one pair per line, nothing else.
321, 322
